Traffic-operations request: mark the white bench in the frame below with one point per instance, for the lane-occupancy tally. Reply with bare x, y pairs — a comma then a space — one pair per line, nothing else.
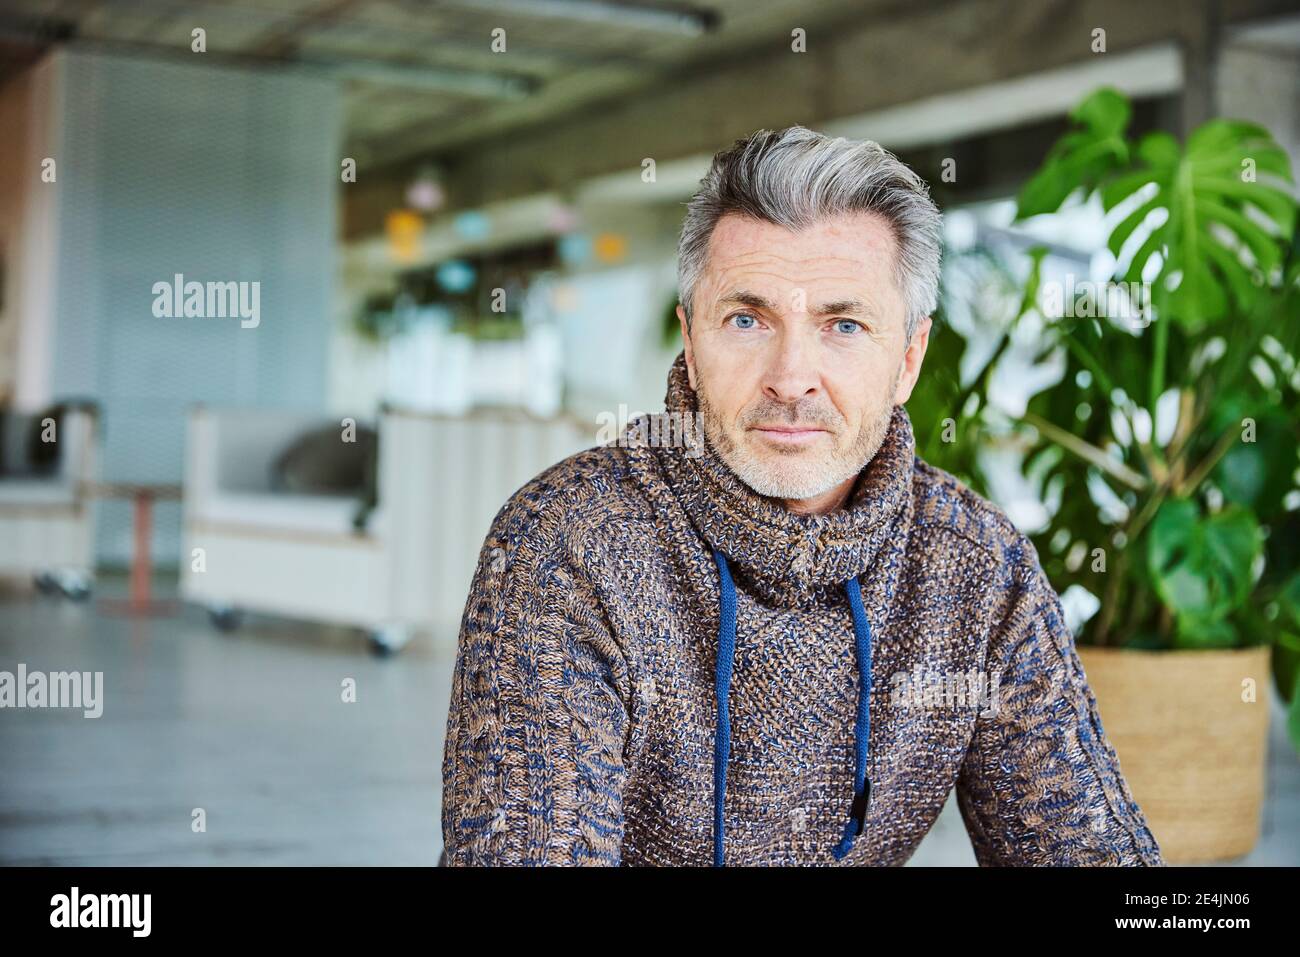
440, 482
47, 524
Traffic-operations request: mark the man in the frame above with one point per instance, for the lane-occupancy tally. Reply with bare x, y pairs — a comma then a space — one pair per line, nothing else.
787, 645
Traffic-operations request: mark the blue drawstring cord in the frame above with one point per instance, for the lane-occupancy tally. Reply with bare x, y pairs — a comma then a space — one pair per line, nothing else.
862, 726
722, 688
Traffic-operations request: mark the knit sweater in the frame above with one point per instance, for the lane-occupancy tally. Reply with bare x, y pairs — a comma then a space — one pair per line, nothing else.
585, 725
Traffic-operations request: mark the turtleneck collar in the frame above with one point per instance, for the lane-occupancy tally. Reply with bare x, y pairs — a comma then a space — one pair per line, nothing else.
785, 557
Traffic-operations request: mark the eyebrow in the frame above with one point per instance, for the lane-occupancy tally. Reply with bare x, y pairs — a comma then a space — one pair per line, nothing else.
742, 298
839, 307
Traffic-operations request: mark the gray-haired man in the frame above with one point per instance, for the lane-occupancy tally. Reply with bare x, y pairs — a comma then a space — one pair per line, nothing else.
695, 659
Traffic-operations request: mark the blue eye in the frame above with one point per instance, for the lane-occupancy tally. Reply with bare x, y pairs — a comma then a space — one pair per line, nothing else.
744, 320
847, 326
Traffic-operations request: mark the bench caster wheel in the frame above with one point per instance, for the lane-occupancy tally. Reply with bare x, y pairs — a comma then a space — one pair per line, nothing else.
388, 640
224, 617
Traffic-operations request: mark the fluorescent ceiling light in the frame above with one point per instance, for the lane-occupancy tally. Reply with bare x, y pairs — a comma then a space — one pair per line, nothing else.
641, 17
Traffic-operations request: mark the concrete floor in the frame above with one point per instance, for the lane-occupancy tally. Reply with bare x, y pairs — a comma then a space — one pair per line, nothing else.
251, 727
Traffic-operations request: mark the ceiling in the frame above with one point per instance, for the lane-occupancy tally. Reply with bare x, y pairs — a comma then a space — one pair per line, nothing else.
420, 75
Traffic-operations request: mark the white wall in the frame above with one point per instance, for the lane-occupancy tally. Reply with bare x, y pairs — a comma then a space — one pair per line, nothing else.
216, 173
28, 211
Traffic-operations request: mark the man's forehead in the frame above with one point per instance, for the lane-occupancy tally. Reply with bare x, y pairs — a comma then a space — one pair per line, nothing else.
837, 259
846, 239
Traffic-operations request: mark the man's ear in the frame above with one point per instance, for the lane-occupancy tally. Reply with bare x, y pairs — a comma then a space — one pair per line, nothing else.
912, 359
686, 342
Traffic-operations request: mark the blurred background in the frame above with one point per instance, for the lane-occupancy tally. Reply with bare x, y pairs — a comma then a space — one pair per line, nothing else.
295, 293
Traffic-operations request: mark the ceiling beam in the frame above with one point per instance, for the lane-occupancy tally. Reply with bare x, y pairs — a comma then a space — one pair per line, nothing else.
870, 64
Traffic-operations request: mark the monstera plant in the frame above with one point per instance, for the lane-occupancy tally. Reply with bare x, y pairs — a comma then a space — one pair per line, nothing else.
1169, 444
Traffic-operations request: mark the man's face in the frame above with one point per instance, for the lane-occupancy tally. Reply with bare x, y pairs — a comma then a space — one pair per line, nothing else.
797, 349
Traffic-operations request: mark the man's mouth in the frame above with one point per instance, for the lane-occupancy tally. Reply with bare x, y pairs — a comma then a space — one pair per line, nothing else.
789, 435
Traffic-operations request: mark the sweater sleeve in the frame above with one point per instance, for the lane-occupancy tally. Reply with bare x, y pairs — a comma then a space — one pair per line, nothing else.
1040, 784
533, 767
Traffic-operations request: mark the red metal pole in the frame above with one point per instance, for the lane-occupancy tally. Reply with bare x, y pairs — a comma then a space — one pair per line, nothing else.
140, 564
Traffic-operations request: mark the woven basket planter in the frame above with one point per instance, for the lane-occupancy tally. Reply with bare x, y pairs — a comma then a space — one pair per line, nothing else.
1193, 752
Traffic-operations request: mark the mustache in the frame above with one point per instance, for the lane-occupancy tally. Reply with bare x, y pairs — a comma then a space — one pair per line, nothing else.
808, 414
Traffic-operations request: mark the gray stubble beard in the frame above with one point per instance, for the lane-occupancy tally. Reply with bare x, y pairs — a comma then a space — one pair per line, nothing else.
752, 471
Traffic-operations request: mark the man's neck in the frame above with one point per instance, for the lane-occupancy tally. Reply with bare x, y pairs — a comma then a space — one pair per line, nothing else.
826, 502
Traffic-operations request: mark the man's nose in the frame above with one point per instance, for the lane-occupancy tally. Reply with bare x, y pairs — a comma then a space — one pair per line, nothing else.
792, 372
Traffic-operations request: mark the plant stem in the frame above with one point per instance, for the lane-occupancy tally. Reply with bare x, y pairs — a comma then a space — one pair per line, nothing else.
1166, 622
1183, 489
1111, 599
1182, 431
1088, 452
1158, 365
1208, 463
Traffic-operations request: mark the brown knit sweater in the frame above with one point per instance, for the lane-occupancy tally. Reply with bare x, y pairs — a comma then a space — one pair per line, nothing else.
584, 721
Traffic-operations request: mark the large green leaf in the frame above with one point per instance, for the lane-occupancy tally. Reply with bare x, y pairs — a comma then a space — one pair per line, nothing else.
1201, 565
1219, 226
1258, 474
1213, 212
1082, 157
